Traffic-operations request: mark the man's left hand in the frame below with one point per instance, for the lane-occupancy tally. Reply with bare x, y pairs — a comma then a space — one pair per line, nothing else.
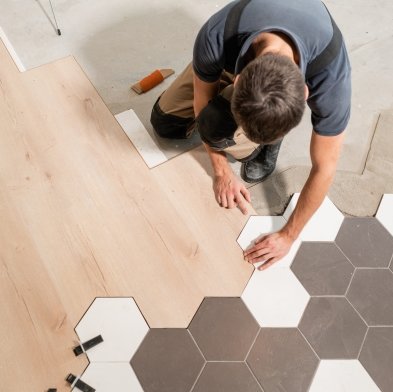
269, 249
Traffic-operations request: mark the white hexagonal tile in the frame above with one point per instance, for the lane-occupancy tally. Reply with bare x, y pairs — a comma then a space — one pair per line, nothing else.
275, 297
258, 226
119, 322
342, 376
111, 376
323, 225
385, 212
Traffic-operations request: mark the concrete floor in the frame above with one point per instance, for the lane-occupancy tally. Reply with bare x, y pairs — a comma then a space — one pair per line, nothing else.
118, 42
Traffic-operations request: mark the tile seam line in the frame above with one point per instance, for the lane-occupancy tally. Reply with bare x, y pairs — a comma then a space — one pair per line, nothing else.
312, 348
349, 284
357, 312
364, 340
339, 248
371, 144
253, 375
196, 344
198, 377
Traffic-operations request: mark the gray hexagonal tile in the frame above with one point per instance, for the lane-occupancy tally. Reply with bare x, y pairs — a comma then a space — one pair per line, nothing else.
371, 293
365, 242
282, 360
333, 328
167, 361
228, 377
224, 329
377, 356
322, 268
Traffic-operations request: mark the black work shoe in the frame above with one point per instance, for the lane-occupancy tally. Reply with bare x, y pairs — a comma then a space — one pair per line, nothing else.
262, 165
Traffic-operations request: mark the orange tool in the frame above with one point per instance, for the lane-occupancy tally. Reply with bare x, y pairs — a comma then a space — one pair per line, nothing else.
152, 80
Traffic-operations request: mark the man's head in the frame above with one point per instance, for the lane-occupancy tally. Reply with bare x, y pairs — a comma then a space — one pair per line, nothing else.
269, 98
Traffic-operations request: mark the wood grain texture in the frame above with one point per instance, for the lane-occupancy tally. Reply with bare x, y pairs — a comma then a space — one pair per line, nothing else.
82, 216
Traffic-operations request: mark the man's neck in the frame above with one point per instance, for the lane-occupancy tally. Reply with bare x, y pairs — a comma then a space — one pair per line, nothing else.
276, 42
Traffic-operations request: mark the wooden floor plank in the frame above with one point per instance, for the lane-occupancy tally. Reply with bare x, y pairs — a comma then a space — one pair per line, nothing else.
82, 216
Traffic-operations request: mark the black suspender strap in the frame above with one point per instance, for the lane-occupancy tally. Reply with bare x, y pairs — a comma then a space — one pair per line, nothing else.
233, 41
328, 54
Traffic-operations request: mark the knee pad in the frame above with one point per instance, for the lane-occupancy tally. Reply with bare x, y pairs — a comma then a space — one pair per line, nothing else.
170, 126
216, 124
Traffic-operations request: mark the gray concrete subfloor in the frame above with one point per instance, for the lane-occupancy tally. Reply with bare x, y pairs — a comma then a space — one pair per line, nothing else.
119, 42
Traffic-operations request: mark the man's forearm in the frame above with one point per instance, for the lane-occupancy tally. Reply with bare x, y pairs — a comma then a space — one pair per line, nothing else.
310, 199
219, 161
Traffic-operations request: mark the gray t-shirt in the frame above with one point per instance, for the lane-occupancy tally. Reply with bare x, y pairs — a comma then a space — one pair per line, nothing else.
308, 24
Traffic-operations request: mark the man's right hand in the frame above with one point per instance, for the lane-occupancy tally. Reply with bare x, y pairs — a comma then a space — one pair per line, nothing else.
230, 192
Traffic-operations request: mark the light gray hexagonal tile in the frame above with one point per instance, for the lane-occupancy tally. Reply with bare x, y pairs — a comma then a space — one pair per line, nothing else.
324, 224
258, 226
385, 212
111, 376
275, 297
119, 322
342, 376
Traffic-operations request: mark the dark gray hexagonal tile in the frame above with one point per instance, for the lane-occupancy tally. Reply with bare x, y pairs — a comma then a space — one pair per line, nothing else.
377, 356
226, 377
371, 293
224, 329
365, 242
282, 360
333, 328
167, 361
322, 268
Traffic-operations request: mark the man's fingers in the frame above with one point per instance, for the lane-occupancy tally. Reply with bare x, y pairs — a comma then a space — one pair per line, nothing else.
246, 194
268, 264
224, 202
255, 248
231, 202
259, 255
241, 202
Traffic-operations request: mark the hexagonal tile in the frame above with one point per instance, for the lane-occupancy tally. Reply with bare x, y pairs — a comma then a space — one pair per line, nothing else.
365, 242
275, 297
258, 226
119, 322
371, 293
342, 376
385, 212
333, 328
111, 376
282, 360
322, 268
324, 224
224, 329
228, 377
377, 356
167, 361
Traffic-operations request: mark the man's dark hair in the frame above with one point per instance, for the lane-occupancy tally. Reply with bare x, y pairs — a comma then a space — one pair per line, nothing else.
269, 98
